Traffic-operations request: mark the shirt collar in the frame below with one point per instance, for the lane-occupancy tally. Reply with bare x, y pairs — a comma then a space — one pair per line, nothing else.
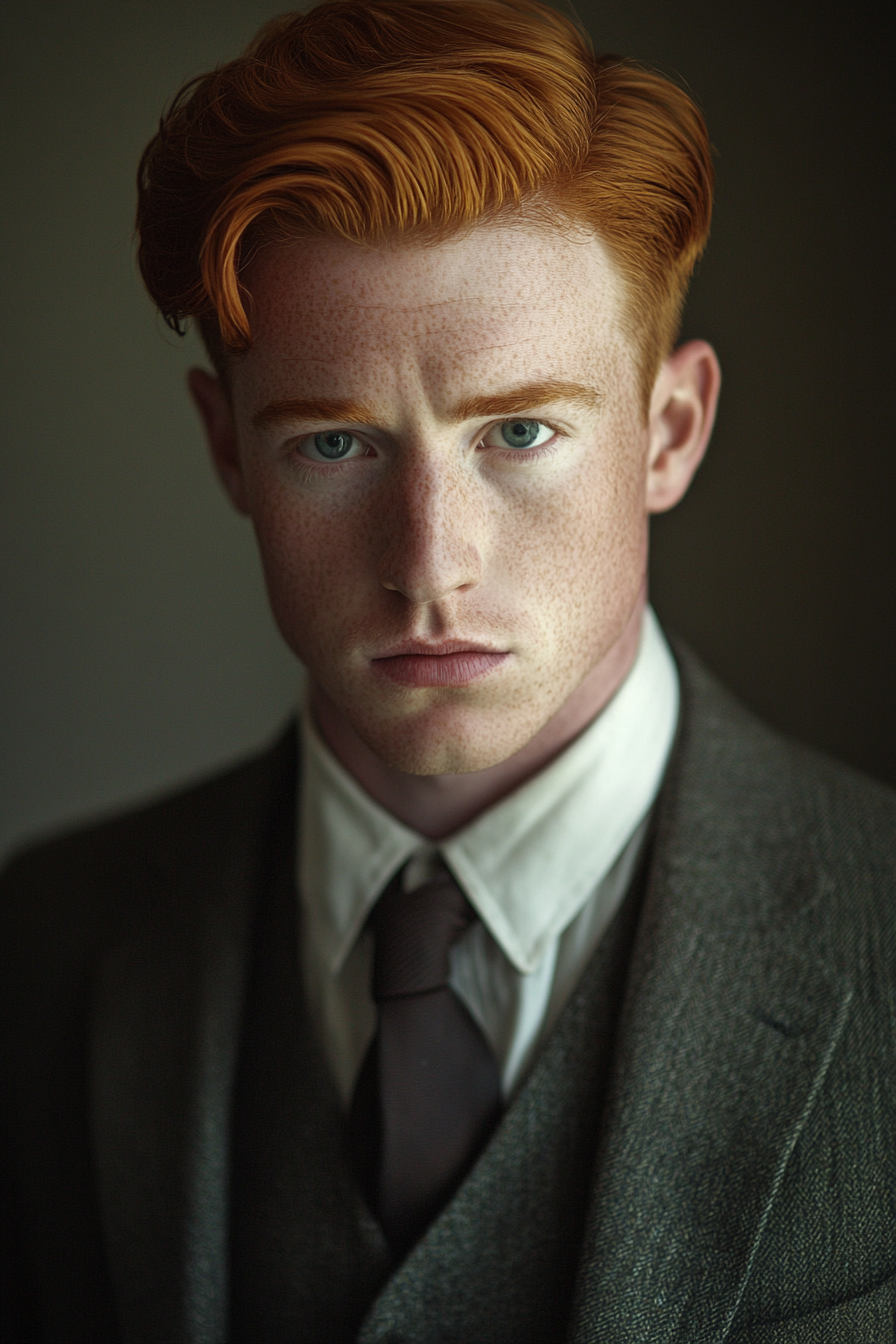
529, 863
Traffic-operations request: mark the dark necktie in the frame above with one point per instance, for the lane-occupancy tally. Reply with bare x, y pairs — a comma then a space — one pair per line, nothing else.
428, 1094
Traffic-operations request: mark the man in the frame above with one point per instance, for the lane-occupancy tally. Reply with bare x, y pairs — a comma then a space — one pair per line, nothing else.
541, 993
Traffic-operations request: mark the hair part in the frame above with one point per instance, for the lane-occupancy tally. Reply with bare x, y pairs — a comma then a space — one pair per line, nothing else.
369, 120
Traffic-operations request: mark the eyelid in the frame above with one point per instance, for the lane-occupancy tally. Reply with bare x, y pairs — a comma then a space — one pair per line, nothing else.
295, 442
556, 432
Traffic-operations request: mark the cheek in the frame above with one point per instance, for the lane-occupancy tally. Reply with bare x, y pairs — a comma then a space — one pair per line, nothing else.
582, 548
606, 565
314, 561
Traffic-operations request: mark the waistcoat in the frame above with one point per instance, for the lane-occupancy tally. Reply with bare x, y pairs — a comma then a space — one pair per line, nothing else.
309, 1262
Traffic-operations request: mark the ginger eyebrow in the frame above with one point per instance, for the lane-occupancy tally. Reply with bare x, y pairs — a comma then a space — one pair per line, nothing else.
314, 408
517, 400
513, 401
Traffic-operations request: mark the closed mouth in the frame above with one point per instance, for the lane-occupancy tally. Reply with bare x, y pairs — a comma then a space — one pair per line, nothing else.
452, 662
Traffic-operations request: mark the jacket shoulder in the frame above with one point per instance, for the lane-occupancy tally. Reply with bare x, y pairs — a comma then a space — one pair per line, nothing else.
776, 803
728, 738
74, 885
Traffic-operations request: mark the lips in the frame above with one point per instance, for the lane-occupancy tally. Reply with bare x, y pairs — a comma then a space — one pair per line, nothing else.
452, 662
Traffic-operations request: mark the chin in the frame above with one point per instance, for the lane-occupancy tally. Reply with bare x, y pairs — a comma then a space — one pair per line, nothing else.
448, 744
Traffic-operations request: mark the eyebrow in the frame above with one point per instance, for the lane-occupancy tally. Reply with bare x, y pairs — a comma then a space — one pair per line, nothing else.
512, 401
516, 400
315, 408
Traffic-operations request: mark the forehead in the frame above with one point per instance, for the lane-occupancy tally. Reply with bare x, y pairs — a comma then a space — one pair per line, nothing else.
498, 302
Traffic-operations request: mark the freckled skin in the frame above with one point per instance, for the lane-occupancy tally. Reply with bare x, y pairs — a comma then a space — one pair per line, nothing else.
430, 532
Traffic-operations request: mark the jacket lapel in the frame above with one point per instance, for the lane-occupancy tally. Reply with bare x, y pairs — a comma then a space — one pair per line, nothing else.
725, 1039
165, 1031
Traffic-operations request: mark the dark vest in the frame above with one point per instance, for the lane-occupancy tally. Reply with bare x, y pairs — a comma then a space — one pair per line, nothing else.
308, 1260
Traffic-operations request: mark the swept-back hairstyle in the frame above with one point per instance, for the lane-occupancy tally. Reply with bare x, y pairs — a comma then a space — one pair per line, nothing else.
376, 119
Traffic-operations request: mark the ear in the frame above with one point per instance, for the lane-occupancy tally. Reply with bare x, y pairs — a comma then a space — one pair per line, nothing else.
680, 421
213, 404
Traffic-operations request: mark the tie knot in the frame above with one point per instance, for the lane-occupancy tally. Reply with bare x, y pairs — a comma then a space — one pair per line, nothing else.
413, 934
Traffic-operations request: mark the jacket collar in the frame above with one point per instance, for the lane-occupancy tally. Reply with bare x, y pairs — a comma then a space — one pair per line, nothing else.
724, 1041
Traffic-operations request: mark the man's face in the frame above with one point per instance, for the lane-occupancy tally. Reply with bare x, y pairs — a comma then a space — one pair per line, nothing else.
444, 453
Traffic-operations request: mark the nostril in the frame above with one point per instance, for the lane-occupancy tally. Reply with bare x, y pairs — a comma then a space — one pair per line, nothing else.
426, 573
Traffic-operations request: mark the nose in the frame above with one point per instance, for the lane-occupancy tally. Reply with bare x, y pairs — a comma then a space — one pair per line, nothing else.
432, 521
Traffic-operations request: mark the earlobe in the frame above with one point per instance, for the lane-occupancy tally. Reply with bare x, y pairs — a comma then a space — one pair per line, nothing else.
681, 417
213, 404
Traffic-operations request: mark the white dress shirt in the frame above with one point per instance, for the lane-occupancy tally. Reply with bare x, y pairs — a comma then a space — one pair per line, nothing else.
545, 869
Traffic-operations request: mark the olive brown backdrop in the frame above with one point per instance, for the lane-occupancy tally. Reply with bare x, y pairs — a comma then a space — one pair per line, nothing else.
137, 645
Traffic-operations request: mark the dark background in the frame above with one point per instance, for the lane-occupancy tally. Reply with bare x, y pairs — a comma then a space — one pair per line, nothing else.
780, 564
138, 648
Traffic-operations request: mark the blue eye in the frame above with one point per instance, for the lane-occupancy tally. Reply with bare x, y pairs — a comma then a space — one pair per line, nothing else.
520, 433
334, 443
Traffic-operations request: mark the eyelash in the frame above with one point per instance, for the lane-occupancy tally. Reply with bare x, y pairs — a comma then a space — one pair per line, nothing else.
310, 470
528, 454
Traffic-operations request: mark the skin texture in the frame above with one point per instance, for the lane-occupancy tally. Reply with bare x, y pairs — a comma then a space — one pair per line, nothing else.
432, 530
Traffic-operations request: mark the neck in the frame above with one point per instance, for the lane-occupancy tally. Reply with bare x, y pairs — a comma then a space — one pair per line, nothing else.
438, 805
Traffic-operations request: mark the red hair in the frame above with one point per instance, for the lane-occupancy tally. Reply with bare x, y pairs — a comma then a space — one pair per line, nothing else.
368, 119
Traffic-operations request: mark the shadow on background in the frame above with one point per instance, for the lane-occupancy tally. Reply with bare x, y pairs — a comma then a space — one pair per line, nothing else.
139, 645
780, 565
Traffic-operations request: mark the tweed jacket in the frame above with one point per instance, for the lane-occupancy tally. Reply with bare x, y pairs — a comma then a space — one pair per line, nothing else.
717, 1103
